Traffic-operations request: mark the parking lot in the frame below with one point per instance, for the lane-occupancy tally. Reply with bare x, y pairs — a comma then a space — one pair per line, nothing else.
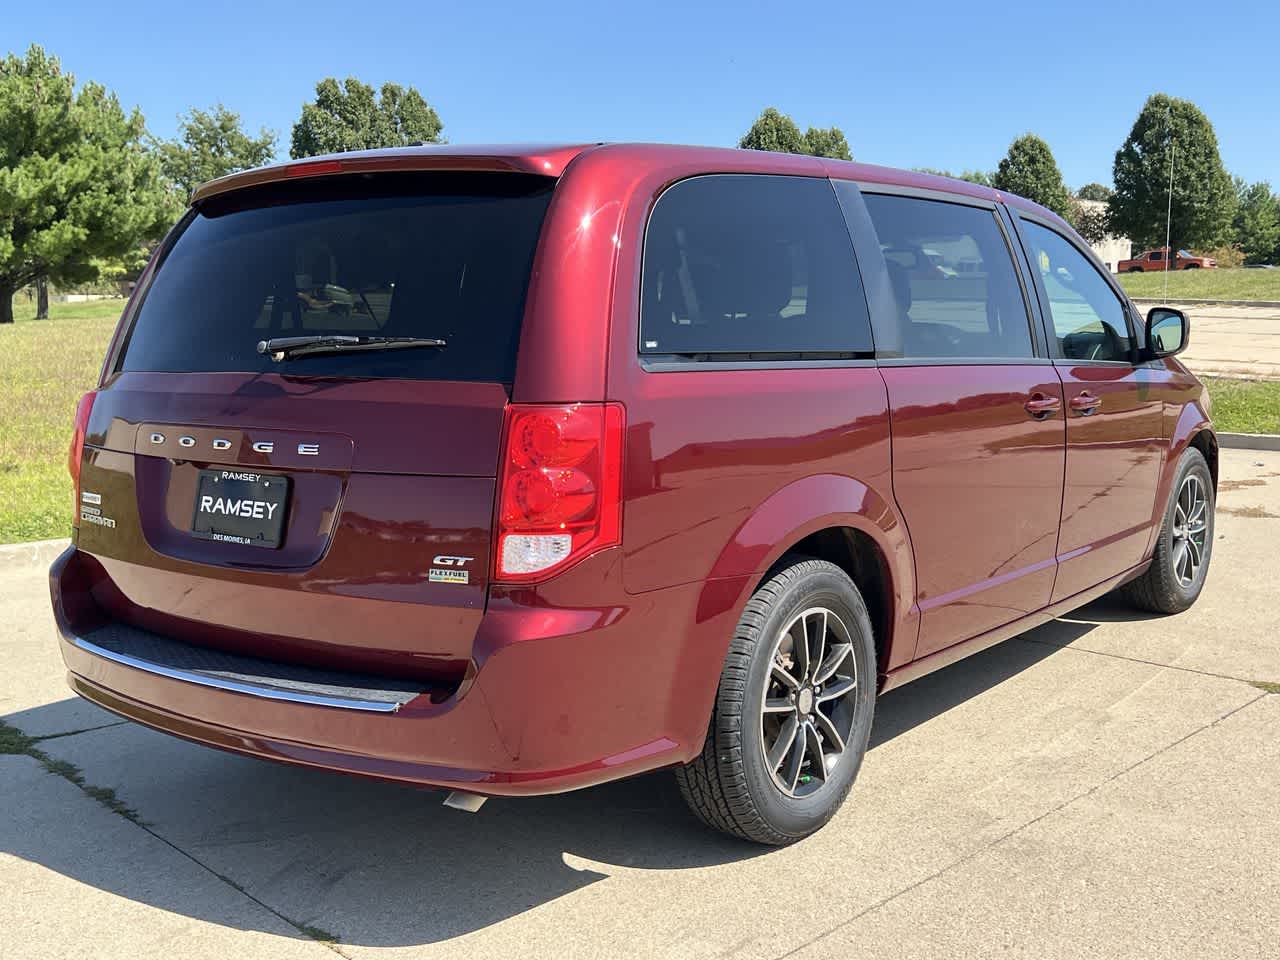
1104, 786
1233, 341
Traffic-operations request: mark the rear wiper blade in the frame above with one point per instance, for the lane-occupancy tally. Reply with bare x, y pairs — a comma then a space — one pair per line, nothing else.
291, 348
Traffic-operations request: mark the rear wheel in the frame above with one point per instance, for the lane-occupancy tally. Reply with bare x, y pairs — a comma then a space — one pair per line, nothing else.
1180, 562
793, 712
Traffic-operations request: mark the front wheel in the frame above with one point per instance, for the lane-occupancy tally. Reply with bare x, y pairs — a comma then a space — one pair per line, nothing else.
1180, 562
793, 711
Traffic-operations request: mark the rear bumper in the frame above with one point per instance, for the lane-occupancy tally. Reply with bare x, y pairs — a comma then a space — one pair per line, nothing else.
558, 696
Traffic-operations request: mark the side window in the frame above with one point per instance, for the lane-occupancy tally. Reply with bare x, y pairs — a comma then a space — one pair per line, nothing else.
954, 282
751, 265
1088, 317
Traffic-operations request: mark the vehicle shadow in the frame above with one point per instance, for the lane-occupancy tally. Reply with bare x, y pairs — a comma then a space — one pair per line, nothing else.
1106, 609
386, 865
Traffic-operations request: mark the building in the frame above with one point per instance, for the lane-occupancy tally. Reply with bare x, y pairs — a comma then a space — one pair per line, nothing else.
1110, 250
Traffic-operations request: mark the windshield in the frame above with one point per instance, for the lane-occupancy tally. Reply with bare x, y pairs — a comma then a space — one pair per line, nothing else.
443, 256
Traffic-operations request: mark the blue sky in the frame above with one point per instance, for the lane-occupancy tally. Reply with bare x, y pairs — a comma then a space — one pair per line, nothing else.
912, 83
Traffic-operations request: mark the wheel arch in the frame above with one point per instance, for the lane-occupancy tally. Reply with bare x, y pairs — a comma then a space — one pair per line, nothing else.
838, 519
1206, 441
856, 553
1192, 429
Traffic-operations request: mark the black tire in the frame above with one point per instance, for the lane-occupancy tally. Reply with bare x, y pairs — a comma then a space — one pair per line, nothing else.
1163, 588
730, 786
1134, 270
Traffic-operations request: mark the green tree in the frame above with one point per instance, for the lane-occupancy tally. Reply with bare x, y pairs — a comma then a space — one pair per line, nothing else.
827, 143
1094, 191
353, 117
77, 181
1171, 131
776, 132
1089, 219
212, 144
1257, 221
1030, 171
981, 177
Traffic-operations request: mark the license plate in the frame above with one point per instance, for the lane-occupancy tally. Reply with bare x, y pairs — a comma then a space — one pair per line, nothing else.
238, 506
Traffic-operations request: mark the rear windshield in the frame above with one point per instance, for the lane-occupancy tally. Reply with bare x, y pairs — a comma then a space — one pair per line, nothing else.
437, 255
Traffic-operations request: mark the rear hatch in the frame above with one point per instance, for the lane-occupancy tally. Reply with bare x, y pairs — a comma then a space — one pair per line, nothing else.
334, 508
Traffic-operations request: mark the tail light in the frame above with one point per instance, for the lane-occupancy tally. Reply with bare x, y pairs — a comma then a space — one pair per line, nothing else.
76, 453
560, 497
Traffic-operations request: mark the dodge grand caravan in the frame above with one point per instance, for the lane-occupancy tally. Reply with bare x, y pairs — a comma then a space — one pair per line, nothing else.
514, 470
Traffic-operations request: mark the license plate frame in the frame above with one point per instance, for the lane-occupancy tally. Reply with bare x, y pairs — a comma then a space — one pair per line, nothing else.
260, 502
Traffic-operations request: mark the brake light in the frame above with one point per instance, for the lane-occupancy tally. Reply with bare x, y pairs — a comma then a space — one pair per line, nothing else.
560, 493
76, 454
314, 168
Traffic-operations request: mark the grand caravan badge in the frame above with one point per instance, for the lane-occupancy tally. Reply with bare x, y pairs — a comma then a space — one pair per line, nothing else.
91, 510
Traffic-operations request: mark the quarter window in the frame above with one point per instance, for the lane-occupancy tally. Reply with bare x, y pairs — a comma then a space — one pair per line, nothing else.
751, 265
955, 287
1088, 317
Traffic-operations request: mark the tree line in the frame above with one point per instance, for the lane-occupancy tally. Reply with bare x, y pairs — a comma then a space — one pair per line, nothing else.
86, 191
1203, 207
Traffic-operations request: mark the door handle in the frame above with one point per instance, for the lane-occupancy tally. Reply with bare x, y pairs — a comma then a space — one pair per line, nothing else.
1042, 407
1085, 404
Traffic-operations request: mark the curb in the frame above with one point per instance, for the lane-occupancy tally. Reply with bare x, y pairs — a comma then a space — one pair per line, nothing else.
25, 556
1157, 301
1249, 441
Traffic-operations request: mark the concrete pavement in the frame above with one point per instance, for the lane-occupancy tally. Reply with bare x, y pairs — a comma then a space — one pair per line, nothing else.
1234, 341
77, 879
1104, 786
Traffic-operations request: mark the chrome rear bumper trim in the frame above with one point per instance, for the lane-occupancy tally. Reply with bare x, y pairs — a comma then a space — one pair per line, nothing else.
234, 686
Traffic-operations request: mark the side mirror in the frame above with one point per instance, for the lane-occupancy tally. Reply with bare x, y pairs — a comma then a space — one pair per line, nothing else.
1168, 332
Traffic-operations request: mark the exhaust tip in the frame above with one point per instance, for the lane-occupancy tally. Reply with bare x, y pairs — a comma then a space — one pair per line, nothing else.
461, 800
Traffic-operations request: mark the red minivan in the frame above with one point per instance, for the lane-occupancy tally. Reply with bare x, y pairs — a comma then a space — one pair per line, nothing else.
512, 470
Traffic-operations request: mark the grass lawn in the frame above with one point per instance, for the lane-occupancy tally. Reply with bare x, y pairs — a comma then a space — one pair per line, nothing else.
1191, 285
1245, 406
45, 365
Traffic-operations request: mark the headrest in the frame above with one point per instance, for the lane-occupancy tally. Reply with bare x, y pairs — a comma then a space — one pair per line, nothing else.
901, 283
765, 278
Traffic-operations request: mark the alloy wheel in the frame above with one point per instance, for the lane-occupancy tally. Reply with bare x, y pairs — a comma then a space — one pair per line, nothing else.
809, 702
1190, 530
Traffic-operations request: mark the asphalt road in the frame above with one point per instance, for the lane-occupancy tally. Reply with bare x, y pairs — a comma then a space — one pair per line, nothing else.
1105, 786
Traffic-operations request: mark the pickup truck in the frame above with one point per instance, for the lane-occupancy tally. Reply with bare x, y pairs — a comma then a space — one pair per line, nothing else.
1155, 260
